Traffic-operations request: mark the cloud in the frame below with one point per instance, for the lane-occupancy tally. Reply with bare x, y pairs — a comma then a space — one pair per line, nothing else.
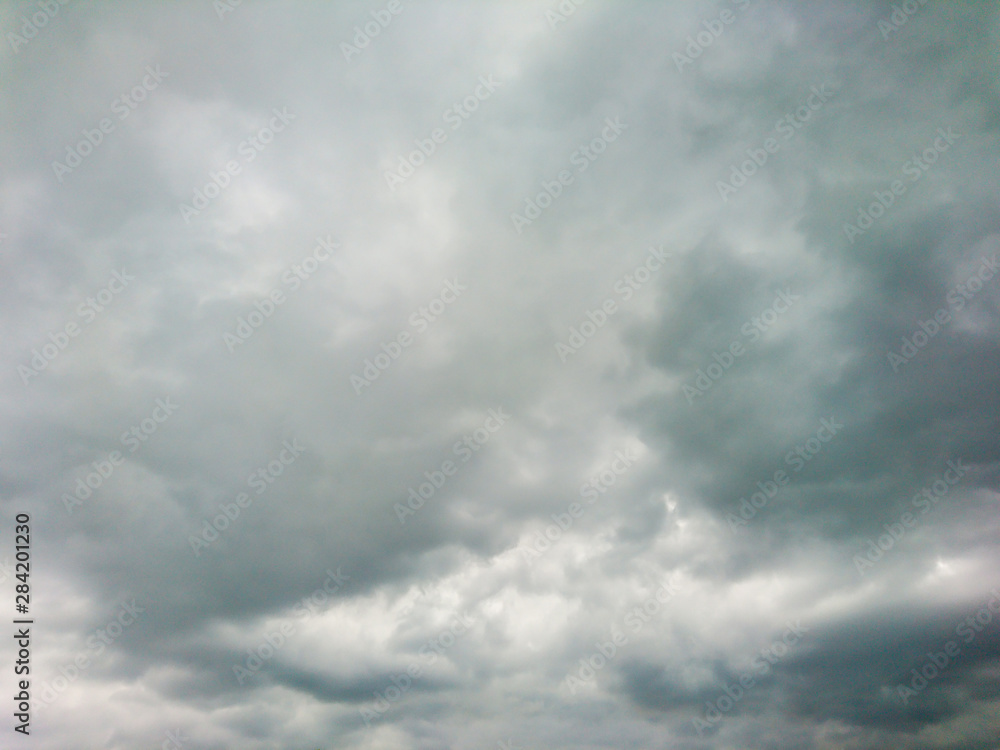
764, 322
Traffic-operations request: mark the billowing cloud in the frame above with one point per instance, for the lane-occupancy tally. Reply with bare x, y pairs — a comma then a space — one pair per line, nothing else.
516, 375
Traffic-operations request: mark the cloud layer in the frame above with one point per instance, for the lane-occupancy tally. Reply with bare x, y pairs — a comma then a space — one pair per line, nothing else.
540, 375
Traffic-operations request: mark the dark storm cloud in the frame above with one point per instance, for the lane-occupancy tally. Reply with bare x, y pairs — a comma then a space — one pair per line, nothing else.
757, 143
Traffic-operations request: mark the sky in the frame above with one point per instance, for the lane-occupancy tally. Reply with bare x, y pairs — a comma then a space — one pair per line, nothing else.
419, 375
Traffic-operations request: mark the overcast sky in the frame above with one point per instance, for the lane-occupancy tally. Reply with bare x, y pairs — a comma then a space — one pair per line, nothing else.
422, 375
